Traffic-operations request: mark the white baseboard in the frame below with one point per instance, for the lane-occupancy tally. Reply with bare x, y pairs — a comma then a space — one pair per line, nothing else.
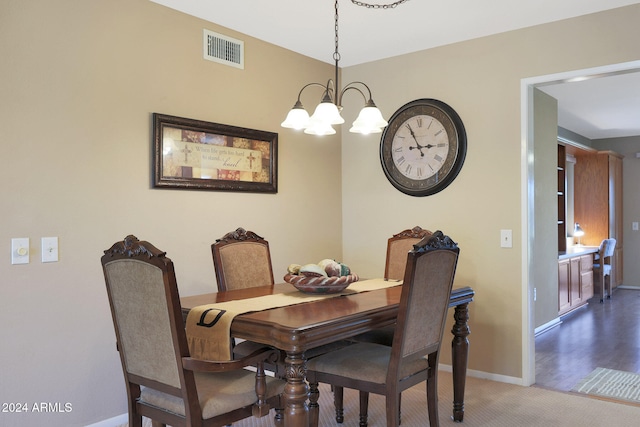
485, 375
549, 325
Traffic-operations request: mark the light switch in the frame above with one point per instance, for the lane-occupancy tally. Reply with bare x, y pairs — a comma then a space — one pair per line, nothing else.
634, 226
20, 251
506, 238
49, 249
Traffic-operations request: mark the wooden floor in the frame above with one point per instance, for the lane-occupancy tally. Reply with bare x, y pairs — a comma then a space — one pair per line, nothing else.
601, 335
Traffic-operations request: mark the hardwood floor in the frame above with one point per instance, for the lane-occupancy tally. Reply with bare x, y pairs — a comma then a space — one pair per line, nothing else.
600, 335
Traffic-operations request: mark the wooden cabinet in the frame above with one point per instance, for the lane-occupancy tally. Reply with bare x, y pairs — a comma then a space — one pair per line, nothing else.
575, 282
598, 202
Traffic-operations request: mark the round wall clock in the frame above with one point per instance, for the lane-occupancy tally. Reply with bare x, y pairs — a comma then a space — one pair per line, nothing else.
423, 147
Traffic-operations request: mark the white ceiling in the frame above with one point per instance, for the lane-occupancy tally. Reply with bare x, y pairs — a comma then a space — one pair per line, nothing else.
595, 108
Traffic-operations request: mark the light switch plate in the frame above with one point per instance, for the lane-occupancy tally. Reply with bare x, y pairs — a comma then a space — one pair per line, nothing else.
20, 250
506, 238
49, 249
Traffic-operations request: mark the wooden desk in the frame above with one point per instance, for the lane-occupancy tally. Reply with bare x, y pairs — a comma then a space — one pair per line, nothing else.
298, 328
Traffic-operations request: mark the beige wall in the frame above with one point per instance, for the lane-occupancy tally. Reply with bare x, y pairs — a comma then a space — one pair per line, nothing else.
79, 83
480, 79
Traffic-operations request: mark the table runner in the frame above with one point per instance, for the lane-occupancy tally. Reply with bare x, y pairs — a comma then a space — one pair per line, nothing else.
208, 326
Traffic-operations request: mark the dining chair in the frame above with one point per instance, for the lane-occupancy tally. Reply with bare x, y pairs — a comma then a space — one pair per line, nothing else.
398, 246
163, 382
413, 356
602, 266
242, 259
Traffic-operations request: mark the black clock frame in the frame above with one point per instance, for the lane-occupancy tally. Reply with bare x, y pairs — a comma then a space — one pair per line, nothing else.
457, 150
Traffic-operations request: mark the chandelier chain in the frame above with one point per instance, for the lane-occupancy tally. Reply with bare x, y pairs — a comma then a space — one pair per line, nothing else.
378, 6
336, 54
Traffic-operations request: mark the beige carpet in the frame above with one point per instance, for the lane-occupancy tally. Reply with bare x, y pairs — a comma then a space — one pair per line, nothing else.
487, 404
612, 384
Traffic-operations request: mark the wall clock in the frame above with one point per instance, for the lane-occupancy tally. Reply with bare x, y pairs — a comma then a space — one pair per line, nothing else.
423, 147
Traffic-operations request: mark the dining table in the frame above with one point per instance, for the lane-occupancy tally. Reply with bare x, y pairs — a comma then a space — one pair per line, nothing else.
296, 329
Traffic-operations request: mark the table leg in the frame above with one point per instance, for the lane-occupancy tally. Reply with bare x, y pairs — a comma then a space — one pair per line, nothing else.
296, 391
459, 356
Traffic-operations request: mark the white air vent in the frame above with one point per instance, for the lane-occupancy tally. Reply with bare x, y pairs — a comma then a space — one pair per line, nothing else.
223, 49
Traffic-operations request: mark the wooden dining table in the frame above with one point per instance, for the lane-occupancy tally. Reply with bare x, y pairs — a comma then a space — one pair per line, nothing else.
296, 329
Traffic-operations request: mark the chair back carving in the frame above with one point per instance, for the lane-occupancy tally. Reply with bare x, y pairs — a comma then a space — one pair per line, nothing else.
242, 259
426, 290
398, 246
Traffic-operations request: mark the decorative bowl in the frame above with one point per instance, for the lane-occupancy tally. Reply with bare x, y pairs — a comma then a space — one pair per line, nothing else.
320, 285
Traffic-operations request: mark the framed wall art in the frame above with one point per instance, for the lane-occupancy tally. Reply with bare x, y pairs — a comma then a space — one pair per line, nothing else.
194, 154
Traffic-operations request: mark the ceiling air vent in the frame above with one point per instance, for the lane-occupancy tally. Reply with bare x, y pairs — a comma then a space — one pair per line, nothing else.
223, 49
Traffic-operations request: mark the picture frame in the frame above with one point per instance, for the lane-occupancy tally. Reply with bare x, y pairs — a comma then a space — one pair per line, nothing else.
200, 155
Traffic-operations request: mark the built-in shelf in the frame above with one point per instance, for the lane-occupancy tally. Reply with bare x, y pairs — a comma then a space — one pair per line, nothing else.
562, 202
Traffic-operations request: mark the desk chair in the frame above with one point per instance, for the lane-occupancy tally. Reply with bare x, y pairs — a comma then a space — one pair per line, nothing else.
163, 382
602, 265
413, 356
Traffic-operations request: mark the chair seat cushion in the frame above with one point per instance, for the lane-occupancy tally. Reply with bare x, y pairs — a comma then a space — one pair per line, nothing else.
362, 361
606, 270
218, 393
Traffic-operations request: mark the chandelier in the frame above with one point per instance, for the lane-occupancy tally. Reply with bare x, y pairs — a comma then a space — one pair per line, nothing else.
327, 113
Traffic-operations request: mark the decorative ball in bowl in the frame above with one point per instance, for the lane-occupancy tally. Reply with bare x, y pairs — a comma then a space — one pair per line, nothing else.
326, 277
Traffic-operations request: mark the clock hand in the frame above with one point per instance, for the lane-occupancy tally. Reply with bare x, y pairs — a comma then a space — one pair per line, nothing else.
418, 146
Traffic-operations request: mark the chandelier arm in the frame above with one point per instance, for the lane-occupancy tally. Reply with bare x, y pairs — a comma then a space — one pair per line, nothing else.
327, 88
350, 86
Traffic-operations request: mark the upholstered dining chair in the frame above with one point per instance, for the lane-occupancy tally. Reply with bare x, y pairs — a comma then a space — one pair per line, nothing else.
413, 357
242, 259
163, 382
602, 266
398, 246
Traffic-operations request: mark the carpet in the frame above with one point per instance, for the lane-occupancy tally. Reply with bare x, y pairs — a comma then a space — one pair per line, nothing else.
611, 384
487, 404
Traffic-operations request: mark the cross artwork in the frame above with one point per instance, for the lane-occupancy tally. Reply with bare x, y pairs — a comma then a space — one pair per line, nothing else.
251, 159
186, 152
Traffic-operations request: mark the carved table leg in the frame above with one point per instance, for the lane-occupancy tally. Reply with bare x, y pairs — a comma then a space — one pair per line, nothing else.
459, 356
296, 391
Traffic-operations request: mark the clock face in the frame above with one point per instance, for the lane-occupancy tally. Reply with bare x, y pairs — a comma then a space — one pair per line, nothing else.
423, 147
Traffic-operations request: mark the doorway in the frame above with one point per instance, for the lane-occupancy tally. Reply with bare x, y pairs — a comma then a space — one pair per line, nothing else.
529, 217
